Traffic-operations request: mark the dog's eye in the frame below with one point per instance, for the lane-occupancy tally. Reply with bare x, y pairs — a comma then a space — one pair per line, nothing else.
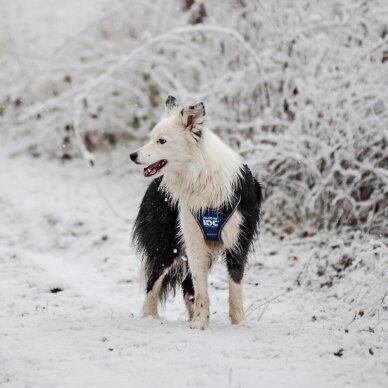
161, 141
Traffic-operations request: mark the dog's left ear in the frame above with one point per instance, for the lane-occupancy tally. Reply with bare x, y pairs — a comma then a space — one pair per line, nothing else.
193, 115
171, 103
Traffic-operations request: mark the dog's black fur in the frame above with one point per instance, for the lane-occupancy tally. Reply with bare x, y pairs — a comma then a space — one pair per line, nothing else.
157, 237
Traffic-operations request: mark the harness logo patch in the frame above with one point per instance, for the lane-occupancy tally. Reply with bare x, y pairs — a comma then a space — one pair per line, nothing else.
213, 223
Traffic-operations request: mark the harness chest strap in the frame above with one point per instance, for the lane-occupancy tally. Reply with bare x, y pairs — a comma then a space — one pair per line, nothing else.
212, 221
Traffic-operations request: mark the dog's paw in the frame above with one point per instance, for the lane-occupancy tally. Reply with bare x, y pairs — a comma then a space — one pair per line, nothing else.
236, 316
201, 323
150, 314
246, 324
198, 325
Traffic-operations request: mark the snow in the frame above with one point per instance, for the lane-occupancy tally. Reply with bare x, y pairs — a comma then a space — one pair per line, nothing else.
58, 232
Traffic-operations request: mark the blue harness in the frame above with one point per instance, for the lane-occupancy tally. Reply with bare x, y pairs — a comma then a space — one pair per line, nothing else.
212, 221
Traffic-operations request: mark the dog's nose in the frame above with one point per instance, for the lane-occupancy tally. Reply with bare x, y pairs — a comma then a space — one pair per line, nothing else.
133, 156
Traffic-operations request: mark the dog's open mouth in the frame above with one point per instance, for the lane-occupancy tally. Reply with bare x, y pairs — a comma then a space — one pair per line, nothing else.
153, 168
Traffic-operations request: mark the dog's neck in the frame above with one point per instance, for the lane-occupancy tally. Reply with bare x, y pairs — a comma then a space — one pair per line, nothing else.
209, 179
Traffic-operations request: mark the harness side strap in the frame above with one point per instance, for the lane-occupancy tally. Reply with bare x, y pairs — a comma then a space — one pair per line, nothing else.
227, 218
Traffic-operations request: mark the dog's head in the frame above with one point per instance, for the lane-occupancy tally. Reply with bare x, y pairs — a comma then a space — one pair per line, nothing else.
173, 141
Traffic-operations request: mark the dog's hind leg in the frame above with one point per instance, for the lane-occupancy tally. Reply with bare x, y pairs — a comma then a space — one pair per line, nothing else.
188, 295
235, 263
154, 286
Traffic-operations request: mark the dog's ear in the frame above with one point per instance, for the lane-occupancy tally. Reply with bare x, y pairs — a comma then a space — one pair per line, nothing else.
171, 103
193, 115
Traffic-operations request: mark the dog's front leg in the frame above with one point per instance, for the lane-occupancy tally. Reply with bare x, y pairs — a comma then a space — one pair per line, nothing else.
198, 256
199, 267
235, 264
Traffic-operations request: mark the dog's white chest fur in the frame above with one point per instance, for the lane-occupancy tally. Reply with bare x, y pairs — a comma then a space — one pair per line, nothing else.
208, 179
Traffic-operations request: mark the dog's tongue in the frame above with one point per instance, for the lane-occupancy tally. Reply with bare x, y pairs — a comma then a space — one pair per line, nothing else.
150, 170
153, 168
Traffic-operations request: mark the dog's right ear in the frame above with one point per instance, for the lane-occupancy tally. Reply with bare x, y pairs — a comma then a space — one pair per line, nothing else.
171, 103
193, 115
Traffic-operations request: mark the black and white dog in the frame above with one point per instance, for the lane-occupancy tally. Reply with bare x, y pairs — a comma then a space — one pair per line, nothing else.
203, 203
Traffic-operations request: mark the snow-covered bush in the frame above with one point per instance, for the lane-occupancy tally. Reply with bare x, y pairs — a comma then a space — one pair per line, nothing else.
300, 88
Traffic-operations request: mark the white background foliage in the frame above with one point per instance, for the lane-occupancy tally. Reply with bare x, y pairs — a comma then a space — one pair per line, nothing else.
300, 89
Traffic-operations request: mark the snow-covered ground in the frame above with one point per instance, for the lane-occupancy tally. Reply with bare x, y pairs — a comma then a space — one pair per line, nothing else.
70, 299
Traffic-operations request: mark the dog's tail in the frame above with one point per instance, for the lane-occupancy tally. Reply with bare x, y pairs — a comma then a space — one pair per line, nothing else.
259, 196
173, 279
259, 192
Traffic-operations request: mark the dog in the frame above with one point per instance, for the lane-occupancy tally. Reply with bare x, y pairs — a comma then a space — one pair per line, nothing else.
202, 203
